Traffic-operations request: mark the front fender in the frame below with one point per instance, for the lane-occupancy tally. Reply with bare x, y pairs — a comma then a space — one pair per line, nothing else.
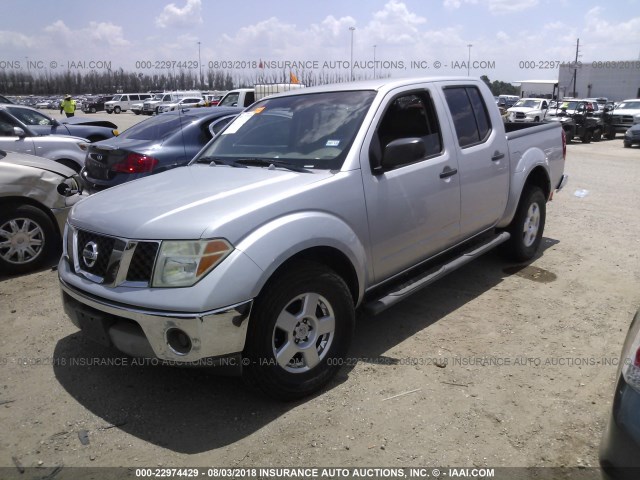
272, 244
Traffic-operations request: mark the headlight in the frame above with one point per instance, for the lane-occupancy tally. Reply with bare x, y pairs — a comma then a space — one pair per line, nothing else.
183, 263
84, 146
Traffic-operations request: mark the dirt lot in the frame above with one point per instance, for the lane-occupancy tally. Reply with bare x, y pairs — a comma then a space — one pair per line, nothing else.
499, 365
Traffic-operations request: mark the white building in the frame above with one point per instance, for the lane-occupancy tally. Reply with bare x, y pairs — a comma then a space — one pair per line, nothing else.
615, 80
537, 88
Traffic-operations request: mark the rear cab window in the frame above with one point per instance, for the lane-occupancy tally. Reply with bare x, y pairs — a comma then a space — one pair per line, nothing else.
469, 114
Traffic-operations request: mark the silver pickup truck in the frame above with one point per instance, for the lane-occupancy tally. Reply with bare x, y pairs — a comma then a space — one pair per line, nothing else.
309, 205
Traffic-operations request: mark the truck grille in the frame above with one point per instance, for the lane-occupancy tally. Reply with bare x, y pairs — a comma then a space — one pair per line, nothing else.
625, 119
114, 261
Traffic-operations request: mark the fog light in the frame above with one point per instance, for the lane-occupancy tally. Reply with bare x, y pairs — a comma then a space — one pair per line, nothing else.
178, 341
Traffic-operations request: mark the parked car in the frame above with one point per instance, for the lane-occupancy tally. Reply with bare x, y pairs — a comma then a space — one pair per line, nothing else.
137, 108
622, 115
152, 105
123, 101
528, 110
183, 103
152, 146
632, 136
95, 104
65, 149
4, 100
310, 204
42, 124
620, 445
36, 195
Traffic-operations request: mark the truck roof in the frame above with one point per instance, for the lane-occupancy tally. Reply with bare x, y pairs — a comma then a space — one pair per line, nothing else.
377, 85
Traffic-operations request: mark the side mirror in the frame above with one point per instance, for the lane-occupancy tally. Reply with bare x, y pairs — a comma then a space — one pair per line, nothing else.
402, 151
19, 132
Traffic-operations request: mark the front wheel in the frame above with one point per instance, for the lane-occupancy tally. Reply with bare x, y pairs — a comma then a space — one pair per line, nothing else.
300, 330
27, 238
117, 110
527, 226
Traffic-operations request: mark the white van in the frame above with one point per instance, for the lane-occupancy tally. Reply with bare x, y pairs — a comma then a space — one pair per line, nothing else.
124, 101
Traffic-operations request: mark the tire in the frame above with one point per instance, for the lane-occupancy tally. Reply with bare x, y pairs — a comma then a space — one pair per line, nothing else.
527, 226
537, 119
586, 137
281, 322
611, 136
117, 110
69, 163
597, 135
93, 110
136, 112
27, 239
626, 145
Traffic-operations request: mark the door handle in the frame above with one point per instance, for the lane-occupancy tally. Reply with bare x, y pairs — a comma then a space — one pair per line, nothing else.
497, 156
448, 172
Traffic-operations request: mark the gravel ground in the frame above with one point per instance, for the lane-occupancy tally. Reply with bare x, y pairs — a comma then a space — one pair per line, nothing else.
496, 365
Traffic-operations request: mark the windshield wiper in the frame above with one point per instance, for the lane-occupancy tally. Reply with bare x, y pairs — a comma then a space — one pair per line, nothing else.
213, 161
276, 163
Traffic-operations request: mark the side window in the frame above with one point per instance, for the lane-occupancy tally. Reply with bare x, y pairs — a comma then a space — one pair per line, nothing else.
544, 105
249, 99
411, 116
6, 125
469, 114
134, 98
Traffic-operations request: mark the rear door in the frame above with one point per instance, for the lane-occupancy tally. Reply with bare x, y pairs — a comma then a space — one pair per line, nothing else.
483, 159
413, 210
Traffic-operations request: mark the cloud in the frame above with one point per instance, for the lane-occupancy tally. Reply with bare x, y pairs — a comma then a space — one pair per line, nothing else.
187, 16
494, 6
106, 33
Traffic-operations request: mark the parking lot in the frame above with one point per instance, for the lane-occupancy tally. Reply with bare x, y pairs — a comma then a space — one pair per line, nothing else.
496, 365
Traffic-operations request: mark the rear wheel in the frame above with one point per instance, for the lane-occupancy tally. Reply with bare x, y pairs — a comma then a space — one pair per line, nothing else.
527, 226
300, 330
586, 137
27, 238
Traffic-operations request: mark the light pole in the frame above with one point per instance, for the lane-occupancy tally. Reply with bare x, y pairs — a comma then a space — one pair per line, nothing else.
374, 61
200, 64
351, 63
469, 61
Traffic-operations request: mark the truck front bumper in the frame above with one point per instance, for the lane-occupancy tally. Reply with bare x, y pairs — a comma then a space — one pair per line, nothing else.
179, 337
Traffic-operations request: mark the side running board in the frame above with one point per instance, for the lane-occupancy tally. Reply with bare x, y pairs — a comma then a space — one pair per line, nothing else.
436, 272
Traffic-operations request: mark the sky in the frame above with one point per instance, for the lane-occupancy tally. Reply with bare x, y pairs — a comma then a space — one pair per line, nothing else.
510, 40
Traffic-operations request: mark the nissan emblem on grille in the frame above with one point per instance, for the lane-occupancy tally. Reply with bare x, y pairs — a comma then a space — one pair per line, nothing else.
90, 254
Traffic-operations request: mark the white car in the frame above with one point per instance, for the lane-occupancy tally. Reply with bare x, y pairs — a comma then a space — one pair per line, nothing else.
65, 149
528, 110
188, 102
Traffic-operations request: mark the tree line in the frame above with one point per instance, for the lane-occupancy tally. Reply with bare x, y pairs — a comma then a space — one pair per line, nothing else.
17, 82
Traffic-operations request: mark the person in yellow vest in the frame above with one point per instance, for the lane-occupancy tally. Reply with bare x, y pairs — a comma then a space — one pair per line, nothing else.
68, 105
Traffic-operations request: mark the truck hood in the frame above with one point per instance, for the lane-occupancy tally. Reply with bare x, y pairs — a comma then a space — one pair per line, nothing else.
523, 109
194, 202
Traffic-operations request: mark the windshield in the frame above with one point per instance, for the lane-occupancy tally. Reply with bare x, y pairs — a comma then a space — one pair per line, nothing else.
116, 98
569, 105
29, 117
629, 106
528, 103
230, 100
158, 96
157, 128
311, 130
